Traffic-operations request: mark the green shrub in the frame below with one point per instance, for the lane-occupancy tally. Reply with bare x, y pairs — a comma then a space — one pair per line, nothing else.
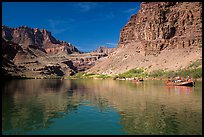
157, 73
194, 73
89, 75
139, 72
195, 64
103, 76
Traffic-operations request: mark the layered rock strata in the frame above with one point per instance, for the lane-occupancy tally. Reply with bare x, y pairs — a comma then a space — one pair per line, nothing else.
38, 38
162, 35
163, 25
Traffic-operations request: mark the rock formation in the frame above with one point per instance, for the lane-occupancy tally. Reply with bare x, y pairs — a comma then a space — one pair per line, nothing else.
9, 51
162, 35
28, 52
104, 49
160, 25
41, 39
29, 62
87, 60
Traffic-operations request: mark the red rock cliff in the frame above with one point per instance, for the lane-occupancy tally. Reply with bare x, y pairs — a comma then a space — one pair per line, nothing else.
160, 25
161, 36
41, 39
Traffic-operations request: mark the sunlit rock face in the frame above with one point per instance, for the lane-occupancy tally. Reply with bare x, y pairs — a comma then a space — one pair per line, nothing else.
163, 25
161, 36
104, 49
35, 53
39, 38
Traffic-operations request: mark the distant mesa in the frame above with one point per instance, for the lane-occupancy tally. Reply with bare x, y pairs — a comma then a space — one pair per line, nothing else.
103, 49
40, 38
28, 52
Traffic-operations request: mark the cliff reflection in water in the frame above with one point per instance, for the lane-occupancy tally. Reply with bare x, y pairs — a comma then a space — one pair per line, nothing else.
145, 108
33, 103
150, 107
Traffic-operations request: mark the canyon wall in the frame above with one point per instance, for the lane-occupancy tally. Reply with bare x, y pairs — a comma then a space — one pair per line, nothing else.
162, 35
160, 25
38, 38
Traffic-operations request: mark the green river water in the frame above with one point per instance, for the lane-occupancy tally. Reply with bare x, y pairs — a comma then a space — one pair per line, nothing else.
88, 106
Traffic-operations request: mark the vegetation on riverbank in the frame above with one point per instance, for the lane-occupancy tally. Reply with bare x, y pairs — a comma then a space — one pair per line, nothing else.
194, 73
138, 72
89, 75
194, 70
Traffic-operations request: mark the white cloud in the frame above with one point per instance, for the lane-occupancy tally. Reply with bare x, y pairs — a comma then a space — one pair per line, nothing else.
59, 26
131, 10
111, 44
86, 6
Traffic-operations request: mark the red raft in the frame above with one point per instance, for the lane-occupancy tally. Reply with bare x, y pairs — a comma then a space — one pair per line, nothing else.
184, 83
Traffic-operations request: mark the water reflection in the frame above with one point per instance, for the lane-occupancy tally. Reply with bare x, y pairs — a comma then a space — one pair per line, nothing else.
179, 89
30, 105
147, 108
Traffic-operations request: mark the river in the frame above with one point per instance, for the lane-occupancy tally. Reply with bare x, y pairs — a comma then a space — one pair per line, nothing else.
89, 106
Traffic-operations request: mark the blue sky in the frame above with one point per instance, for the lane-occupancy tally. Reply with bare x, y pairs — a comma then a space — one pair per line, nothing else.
87, 25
